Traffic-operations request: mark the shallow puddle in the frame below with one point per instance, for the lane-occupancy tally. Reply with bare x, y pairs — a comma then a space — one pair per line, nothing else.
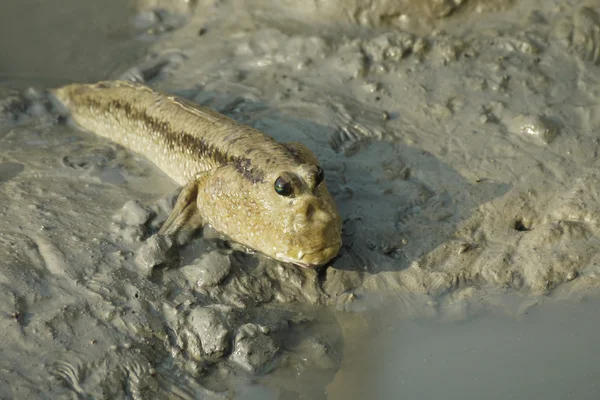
548, 352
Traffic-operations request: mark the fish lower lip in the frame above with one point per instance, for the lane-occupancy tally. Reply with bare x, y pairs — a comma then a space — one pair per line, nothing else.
299, 263
302, 265
299, 257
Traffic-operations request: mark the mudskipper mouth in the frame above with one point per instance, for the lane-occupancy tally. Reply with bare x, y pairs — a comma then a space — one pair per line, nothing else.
312, 259
297, 264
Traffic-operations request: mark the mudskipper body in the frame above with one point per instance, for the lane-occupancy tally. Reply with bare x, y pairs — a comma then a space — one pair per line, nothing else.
266, 195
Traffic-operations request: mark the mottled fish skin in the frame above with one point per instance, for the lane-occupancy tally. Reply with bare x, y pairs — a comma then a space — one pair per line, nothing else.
228, 169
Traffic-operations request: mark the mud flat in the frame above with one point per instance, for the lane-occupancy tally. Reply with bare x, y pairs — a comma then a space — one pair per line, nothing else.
459, 139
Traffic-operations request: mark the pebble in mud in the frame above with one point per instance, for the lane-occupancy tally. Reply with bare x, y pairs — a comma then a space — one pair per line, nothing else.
254, 349
132, 233
208, 270
157, 250
135, 213
207, 326
536, 127
131, 220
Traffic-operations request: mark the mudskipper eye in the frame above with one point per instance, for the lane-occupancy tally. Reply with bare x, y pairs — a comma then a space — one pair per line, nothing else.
283, 187
319, 176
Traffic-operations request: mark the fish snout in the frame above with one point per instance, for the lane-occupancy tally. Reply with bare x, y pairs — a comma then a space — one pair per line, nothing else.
314, 221
317, 235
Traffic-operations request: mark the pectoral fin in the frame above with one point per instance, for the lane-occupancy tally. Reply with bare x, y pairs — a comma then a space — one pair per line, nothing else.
185, 215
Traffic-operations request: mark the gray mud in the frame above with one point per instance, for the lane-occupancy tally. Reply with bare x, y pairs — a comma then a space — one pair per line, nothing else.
459, 139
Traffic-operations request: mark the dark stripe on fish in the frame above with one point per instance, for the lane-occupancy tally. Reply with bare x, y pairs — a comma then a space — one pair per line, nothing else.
181, 139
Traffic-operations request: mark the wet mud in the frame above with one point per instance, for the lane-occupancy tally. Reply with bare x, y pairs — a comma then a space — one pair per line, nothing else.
457, 137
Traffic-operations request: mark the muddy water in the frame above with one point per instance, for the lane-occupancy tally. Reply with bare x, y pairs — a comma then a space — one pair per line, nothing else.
458, 138
544, 352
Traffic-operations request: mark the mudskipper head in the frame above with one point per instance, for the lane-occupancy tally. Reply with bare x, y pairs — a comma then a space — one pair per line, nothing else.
288, 215
310, 225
